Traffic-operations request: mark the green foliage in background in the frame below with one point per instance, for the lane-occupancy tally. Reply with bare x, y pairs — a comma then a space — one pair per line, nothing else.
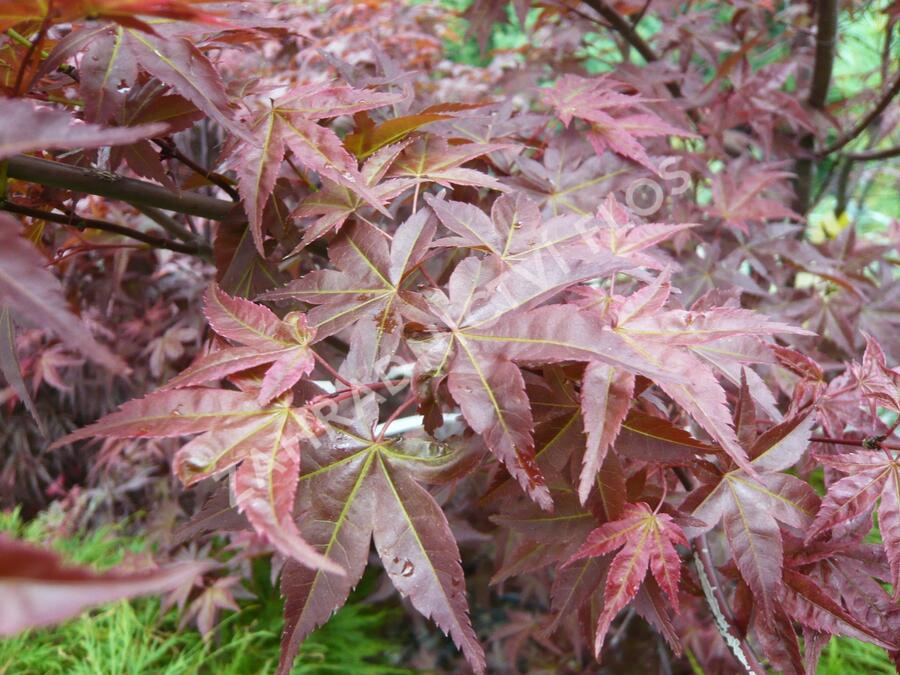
135, 638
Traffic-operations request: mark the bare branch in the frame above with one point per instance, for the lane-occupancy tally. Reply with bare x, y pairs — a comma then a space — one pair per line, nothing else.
874, 154
104, 184
169, 149
826, 36
92, 223
863, 124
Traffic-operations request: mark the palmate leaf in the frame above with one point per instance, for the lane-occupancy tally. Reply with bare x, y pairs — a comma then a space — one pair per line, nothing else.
233, 429
180, 63
595, 101
369, 289
644, 341
475, 357
30, 291
752, 508
335, 203
430, 159
355, 488
282, 345
290, 123
606, 394
809, 605
515, 230
115, 57
871, 474
646, 540
627, 239
37, 589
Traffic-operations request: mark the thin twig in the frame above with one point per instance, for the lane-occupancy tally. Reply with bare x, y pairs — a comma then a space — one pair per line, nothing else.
166, 222
869, 443
624, 28
331, 371
628, 31
873, 154
32, 47
394, 415
169, 149
861, 126
106, 184
92, 223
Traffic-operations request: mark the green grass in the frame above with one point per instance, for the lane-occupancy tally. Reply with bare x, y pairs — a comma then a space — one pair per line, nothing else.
135, 638
844, 656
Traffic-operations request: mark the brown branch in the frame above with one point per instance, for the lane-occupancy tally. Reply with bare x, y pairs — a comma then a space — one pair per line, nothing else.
826, 36
92, 223
623, 28
169, 149
628, 31
166, 222
873, 154
861, 126
869, 443
33, 47
104, 184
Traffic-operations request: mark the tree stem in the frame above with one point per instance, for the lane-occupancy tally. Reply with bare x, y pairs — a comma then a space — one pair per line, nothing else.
104, 184
92, 223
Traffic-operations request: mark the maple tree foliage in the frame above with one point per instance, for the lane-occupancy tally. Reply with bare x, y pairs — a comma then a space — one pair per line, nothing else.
352, 296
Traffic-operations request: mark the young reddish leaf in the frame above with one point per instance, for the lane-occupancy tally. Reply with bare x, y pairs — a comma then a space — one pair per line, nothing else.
37, 589
169, 414
334, 203
594, 101
369, 288
515, 231
573, 586
809, 605
334, 509
320, 100
737, 195
647, 540
234, 429
779, 642
257, 169
889, 525
105, 67
14, 12
628, 239
282, 345
431, 159
873, 474
319, 149
751, 508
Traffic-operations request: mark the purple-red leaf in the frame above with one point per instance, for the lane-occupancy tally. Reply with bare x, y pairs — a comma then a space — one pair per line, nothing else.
37, 589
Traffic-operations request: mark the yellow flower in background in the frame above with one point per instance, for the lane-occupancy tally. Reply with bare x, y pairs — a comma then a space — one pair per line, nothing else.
825, 226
